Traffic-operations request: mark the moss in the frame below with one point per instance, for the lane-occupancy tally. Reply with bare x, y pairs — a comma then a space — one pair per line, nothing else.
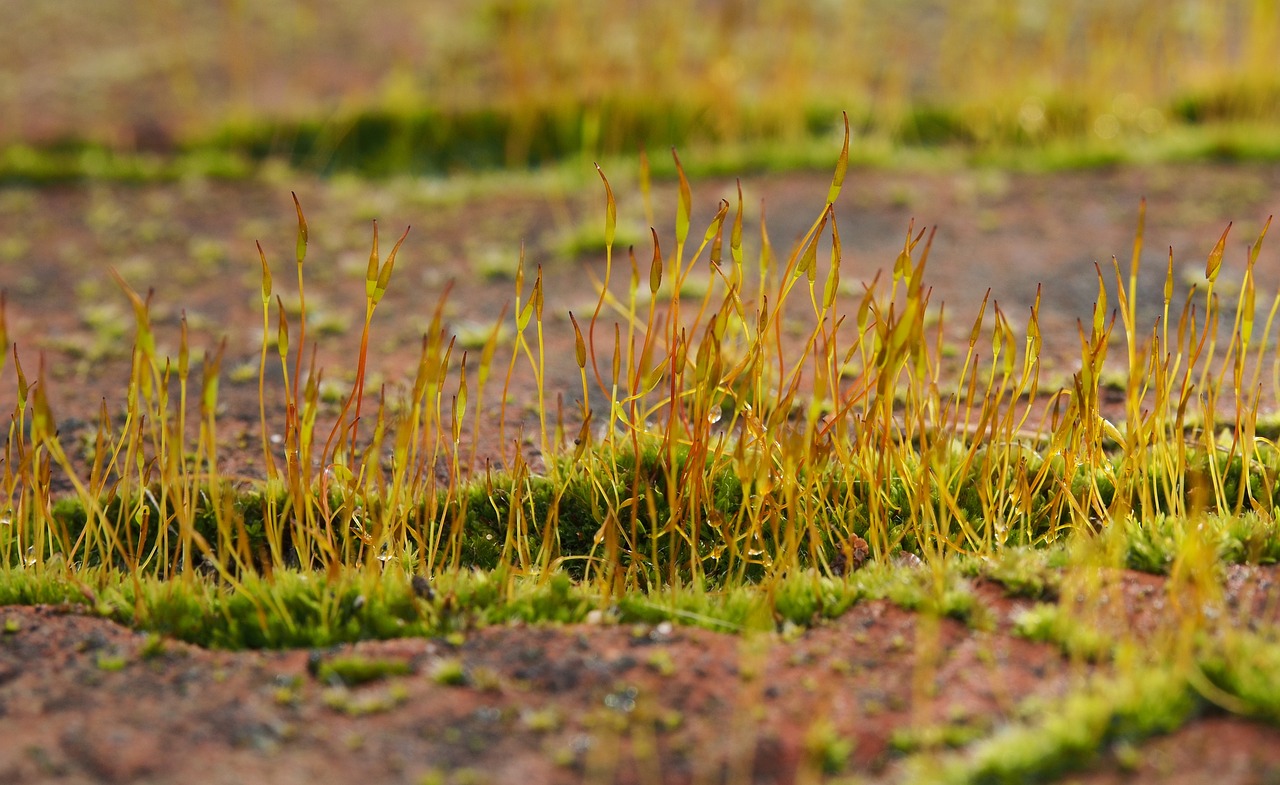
1058, 737
1046, 623
803, 599
1227, 101
828, 750
111, 662
1245, 667
1251, 538
553, 600
935, 125
380, 142
1023, 571
364, 703
953, 735
73, 160
355, 670
449, 672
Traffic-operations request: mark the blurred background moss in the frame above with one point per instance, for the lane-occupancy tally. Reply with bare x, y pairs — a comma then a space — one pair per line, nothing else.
437, 85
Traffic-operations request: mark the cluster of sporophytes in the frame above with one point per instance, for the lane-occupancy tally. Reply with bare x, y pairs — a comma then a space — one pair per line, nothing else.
758, 428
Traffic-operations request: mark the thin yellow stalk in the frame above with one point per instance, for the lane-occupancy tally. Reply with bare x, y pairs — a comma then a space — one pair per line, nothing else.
269, 462
301, 255
610, 227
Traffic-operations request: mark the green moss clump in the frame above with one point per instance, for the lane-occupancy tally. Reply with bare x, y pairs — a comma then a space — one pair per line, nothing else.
355, 670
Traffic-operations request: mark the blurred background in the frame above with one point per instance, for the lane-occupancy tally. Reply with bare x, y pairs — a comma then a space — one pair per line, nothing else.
436, 85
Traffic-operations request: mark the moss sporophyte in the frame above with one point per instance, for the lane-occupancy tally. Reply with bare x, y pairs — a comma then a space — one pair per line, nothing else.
725, 448
756, 454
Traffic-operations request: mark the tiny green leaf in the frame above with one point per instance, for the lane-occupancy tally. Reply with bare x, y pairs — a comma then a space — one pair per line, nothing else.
1100, 307
371, 272
685, 207
1215, 256
735, 237
809, 258
579, 345
209, 386
282, 329
384, 275
655, 267
715, 232
1254, 252
537, 295
302, 230
833, 276
460, 405
611, 210
23, 387
842, 165
266, 276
